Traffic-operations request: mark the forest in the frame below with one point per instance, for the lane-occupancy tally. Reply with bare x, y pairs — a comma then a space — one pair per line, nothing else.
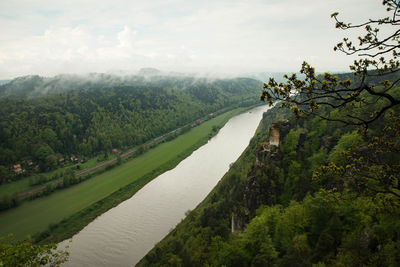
319, 183
327, 196
40, 133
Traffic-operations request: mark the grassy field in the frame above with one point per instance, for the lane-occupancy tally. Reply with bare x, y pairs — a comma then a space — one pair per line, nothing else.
15, 187
36, 216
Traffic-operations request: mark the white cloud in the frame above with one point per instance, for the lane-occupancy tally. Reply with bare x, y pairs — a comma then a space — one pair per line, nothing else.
50, 37
126, 37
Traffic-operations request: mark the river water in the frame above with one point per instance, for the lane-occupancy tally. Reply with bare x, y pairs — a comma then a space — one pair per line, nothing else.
124, 234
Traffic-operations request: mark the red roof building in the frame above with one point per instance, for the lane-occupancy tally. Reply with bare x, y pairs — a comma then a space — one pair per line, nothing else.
17, 168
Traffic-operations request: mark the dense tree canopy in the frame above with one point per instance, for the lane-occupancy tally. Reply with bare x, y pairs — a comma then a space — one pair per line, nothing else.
328, 196
26, 253
46, 129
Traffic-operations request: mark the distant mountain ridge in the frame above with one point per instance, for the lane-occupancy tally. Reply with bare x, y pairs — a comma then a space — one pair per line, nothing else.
35, 86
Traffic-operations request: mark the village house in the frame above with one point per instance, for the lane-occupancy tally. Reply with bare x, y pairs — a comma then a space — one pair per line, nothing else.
74, 159
17, 169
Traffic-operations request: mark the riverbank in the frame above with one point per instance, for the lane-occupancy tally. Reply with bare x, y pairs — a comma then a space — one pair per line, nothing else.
206, 209
133, 227
70, 210
23, 190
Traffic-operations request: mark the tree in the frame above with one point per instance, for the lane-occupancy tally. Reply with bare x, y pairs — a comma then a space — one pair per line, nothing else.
4, 174
373, 169
25, 253
346, 142
378, 60
51, 161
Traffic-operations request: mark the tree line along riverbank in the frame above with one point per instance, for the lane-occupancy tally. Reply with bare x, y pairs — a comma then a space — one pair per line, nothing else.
64, 213
45, 184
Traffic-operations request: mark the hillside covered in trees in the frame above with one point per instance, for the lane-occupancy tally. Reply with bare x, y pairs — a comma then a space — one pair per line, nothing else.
99, 116
327, 194
320, 188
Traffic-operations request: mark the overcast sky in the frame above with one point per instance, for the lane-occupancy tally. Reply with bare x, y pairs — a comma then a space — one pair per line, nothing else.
48, 37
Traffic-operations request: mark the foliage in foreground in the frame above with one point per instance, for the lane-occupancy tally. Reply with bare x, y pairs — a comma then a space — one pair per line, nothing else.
26, 253
375, 75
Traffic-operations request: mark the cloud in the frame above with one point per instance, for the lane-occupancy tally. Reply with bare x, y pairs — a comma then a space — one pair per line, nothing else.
50, 37
127, 37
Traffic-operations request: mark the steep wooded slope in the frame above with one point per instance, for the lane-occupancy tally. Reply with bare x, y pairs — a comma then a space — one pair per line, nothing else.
328, 195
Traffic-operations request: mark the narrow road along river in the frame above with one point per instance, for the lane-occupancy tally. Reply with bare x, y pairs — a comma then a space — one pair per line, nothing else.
124, 234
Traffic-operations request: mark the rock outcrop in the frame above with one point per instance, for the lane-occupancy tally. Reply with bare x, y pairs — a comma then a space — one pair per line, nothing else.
265, 180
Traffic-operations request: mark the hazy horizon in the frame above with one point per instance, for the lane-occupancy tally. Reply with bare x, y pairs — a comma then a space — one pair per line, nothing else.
48, 38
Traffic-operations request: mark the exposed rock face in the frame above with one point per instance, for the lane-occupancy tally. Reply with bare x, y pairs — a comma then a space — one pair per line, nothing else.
265, 181
268, 154
274, 137
235, 224
259, 192
277, 131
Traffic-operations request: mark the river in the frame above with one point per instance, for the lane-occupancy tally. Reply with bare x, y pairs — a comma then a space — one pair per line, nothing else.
124, 234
